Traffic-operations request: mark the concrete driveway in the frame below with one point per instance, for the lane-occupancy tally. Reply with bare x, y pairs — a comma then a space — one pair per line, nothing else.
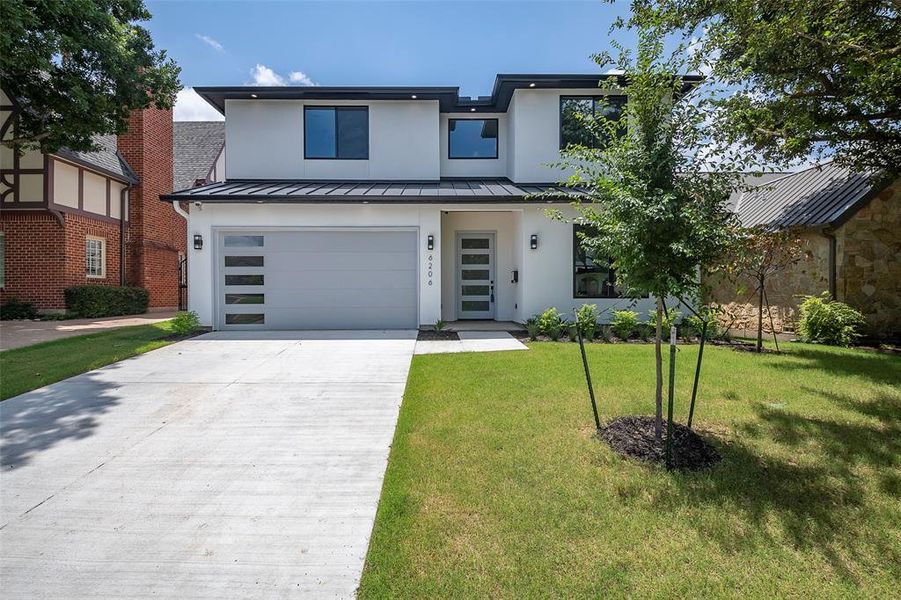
226, 466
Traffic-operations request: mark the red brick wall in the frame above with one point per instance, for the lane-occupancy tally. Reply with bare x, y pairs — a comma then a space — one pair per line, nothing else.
44, 257
34, 258
156, 233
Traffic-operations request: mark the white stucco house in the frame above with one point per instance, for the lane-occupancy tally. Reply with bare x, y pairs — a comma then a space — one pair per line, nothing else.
391, 207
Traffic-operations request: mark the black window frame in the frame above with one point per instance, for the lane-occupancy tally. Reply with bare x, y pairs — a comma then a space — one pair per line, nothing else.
336, 110
611, 272
609, 98
497, 142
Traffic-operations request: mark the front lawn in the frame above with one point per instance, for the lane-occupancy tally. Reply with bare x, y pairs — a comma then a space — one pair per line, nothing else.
496, 488
31, 367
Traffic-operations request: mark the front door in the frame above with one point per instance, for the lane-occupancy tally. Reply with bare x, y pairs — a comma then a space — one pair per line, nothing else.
475, 276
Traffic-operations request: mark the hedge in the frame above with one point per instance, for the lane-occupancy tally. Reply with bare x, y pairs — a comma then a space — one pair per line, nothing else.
105, 300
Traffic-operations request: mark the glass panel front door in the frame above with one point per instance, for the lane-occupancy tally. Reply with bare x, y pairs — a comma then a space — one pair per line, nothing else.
475, 276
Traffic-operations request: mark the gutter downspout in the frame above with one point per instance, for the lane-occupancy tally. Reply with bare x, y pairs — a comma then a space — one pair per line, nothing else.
833, 251
123, 207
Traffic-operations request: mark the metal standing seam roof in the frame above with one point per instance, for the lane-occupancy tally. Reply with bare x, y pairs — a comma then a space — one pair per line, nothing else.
300, 191
821, 195
108, 160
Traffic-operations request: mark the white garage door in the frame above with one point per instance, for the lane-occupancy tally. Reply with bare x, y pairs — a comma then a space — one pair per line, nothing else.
317, 279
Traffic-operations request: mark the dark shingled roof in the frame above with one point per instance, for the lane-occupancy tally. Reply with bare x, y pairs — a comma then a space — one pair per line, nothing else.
399, 192
195, 147
107, 160
821, 195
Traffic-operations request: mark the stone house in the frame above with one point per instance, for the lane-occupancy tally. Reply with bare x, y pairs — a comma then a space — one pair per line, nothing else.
851, 224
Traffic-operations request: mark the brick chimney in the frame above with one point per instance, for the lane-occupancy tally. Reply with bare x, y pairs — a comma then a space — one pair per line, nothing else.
156, 234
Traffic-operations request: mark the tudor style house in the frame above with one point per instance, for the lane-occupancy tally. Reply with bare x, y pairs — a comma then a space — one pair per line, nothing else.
75, 218
392, 207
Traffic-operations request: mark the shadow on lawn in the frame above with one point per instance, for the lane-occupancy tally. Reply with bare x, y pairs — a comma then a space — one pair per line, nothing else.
876, 366
823, 504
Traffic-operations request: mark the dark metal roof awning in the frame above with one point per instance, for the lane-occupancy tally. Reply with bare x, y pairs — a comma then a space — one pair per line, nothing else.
395, 192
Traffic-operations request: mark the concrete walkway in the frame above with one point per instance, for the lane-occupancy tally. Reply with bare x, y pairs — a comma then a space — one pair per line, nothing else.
472, 341
16, 334
226, 466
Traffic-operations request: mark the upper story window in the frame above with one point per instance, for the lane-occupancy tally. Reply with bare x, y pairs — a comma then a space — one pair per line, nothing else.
573, 129
472, 138
337, 132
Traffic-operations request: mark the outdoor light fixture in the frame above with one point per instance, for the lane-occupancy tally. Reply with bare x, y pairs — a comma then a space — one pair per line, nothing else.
531, 85
253, 95
198, 241
533, 241
472, 110
413, 96
430, 242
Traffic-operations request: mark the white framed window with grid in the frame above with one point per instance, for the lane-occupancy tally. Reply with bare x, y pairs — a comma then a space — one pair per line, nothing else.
95, 257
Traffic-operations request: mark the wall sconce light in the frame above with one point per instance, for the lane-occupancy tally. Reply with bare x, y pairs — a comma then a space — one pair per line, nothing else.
198, 241
533, 241
430, 242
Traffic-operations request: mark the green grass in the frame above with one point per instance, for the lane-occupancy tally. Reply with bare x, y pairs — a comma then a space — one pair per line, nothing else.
31, 367
496, 487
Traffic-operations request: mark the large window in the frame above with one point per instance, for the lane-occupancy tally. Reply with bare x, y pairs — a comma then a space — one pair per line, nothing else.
593, 277
336, 132
472, 138
95, 257
576, 111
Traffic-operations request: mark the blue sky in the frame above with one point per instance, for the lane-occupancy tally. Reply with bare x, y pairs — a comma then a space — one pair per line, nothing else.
376, 43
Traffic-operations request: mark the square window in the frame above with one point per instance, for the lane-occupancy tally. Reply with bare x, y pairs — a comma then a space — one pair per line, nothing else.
336, 132
577, 112
95, 257
472, 138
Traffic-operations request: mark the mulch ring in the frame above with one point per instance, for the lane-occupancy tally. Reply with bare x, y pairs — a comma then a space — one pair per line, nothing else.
430, 335
633, 437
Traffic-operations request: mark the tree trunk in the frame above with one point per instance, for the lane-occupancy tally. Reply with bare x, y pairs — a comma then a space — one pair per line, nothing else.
658, 358
760, 316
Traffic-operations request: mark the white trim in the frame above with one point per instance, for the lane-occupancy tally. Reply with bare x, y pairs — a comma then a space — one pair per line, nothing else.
94, 238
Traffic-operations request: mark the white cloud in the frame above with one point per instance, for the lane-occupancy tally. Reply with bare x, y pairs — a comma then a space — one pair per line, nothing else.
211, 42
189, 106
263, 75
300, 78
614, 71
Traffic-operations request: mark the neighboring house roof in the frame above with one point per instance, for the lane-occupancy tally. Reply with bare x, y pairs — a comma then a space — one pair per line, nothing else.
420, 192
195, 147
752, 180
821, 195
449, 99
107, 160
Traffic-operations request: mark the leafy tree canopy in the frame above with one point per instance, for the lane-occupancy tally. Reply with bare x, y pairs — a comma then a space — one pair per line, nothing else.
811, 76
78, 67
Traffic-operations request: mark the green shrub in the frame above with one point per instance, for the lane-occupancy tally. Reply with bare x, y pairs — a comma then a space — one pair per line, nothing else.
605, 334
692, 325
550, 323
624, 323
587, 320
105, 300
15, 309
670, 317
185, 323
440, 324
828, 321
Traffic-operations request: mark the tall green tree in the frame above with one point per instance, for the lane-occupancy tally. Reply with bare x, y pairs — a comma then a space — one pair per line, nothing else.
78, 67
807, 76
653, 207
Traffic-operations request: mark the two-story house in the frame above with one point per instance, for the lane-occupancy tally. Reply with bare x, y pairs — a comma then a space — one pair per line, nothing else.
392, 207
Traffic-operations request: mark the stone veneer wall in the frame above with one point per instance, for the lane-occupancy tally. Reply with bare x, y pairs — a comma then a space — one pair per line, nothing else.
869, 262
868, 274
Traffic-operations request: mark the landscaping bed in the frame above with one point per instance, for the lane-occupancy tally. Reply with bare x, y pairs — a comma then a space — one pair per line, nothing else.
430, 335
634, 437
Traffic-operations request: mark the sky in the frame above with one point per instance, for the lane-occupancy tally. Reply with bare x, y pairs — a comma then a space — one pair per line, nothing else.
453, 43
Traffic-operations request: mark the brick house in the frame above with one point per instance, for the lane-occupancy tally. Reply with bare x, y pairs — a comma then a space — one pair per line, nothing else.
74, 218
851, 226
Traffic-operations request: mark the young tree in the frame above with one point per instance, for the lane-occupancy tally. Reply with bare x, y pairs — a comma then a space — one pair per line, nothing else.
759, 254
807, 75
78, 69
653, 207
